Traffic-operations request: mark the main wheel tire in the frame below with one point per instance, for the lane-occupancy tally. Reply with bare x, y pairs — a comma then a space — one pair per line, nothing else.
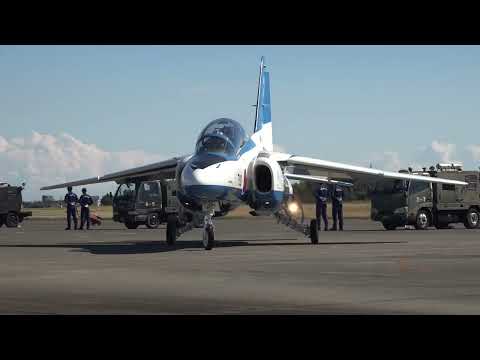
12, 220
313, 231
389, 226
208, 238
130, 225
153, 220
472, 219
171, 229
423, 220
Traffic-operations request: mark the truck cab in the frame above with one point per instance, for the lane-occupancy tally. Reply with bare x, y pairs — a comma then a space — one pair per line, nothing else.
144, 202
421, 204
11, 212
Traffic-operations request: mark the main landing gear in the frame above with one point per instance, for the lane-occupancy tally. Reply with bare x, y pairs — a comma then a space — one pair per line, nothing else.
175, 228
309, 230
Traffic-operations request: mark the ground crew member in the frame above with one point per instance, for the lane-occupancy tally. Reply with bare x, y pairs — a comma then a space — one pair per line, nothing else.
321, 197
71, 200
85, 201
337, 207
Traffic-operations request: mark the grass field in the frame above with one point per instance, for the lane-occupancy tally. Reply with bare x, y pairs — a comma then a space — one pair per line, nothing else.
354, 209
57, 213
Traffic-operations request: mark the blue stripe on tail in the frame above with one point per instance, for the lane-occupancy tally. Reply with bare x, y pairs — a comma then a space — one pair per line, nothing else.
263, 113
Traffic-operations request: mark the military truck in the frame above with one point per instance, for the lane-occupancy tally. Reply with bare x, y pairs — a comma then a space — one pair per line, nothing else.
400, 202
144, 202
11, 213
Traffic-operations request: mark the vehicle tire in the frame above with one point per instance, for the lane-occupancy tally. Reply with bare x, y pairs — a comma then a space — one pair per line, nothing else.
423, 220
472, 219
313, 231
208, 238
12, 220
2, 221
131, 225
389, 226
153, 220
171, 229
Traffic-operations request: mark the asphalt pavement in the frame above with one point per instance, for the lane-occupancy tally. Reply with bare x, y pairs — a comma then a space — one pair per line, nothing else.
257, 267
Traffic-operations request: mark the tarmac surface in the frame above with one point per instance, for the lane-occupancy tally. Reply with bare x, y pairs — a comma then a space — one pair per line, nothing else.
258, 267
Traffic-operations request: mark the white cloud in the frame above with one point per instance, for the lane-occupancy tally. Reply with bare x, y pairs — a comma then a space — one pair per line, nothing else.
44, 159
444, 150
387, 160
279, 148
475, 151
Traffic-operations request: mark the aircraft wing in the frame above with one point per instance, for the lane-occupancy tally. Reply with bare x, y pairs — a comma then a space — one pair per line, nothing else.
158, 170
349, 173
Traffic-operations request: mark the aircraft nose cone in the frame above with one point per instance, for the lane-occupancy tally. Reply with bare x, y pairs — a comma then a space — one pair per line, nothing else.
198, 181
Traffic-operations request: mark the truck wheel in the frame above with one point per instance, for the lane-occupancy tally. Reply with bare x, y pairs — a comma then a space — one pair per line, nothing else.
423, 220
389, 226
471, 219
130, 225
1, 221
12, 220
153, 220
171, 229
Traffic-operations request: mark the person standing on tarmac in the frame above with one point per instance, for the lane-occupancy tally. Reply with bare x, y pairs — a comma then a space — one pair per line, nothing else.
321, 197
337, 207
85, 201
71, 200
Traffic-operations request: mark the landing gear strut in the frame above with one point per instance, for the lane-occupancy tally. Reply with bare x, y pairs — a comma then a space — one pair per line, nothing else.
172, 222
208, 228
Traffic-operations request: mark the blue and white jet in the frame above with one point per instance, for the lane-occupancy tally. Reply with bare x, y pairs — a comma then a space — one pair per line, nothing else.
229, 168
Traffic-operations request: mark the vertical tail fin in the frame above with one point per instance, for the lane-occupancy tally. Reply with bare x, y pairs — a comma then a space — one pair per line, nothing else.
263, 116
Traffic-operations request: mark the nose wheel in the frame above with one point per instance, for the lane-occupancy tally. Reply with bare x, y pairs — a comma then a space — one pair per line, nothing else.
208, 228
208, 237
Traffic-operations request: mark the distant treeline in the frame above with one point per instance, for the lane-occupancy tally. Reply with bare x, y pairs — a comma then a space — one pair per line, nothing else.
304, 190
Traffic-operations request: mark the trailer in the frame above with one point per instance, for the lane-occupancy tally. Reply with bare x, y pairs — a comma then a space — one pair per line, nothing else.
400, 202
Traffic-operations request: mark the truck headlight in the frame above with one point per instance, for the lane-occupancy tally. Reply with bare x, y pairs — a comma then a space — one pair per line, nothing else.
402, 210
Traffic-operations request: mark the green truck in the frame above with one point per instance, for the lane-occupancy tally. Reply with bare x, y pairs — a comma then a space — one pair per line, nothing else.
11, 212
144, 202
400, 202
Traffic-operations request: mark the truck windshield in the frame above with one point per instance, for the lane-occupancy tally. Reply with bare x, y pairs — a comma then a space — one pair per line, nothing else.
391, 187
149, 191
126, 192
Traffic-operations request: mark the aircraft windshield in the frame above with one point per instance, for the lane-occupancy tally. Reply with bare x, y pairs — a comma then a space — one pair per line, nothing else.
221, 136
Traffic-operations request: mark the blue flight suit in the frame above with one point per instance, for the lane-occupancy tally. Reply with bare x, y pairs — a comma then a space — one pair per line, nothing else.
71, 199
337, 207
321, 197
85, 201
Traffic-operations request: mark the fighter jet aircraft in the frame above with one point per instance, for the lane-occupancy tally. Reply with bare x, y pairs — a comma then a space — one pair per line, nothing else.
229, 168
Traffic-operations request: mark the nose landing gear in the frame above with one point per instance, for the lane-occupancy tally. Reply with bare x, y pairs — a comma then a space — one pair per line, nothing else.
208, 228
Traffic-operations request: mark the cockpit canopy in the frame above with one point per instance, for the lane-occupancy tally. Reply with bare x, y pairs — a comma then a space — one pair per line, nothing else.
225, 136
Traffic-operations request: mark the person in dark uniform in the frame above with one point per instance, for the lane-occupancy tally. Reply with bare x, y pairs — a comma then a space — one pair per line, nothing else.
321, 197
337, 207
71, 200
85, 201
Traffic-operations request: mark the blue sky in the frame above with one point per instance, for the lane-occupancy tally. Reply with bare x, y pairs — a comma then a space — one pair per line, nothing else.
340, 103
